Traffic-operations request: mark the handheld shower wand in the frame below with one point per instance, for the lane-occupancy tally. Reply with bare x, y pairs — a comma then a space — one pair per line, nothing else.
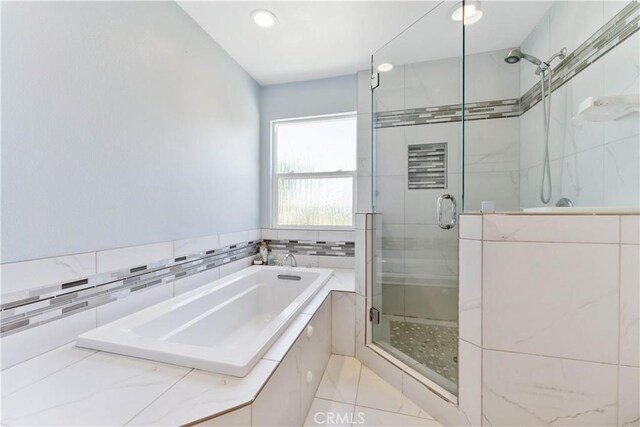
544, 71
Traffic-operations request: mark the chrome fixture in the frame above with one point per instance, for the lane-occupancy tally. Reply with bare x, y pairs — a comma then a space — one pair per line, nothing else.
454, 212
515, 55
564, 203
544, 71
294, 263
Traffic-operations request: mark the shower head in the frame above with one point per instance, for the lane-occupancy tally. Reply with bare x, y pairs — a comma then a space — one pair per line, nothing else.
515, 55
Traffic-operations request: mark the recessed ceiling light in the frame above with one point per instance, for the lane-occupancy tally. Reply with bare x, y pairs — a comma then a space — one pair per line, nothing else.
263, 18
385, 67
471, 12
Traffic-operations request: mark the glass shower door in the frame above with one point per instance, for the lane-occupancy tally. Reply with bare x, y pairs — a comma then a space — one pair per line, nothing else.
417, 109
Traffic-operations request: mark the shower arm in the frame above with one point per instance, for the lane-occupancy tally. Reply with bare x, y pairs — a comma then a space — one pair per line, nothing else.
545, 65
561, 55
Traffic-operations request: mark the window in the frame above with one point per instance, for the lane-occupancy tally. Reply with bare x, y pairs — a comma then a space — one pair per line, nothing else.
314, 164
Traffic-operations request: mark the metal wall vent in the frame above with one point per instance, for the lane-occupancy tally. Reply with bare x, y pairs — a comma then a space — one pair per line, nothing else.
427, 166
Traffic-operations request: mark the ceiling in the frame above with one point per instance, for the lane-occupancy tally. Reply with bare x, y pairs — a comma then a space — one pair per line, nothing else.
318, 39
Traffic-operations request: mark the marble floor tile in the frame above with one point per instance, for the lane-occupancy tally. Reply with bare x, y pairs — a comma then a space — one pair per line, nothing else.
329, 413
340, 379
374, 392
370, 417
346, 382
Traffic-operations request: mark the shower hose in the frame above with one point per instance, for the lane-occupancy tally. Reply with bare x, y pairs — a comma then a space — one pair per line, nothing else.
546, 112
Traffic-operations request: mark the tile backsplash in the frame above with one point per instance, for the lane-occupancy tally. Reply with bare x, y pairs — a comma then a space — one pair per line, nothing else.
48, 302
147, 267
313, 248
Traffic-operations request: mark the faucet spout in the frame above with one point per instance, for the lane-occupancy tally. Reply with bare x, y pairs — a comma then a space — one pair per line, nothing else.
294, 263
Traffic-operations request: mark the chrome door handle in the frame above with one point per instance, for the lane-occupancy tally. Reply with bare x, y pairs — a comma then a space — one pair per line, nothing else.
454, 212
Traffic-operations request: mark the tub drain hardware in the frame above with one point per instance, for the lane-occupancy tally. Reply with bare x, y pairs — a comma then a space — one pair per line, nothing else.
289, 277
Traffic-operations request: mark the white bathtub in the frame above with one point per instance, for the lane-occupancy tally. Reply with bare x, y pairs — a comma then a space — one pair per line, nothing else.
223, 327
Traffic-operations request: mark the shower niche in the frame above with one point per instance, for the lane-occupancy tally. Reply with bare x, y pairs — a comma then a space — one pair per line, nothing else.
427, 166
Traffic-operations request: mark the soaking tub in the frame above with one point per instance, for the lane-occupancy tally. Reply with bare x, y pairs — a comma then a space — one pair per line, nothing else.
223, 327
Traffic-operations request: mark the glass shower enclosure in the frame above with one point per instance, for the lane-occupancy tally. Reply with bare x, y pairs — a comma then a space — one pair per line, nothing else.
417, 112
457, 117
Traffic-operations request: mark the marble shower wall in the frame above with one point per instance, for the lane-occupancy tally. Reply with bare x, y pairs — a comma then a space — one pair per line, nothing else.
420, 259
592, 163
549, 303
491, 146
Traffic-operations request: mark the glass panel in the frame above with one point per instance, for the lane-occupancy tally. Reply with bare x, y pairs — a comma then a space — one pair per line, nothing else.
417, 145
512, 157
309, 145
315, 201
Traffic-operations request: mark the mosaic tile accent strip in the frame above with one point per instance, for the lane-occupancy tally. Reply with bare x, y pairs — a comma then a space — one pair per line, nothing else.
449, 113
25, 310
610, 35
427, 166
310, 247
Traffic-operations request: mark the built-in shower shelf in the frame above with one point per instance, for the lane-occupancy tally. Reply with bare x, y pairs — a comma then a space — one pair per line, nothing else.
608, 108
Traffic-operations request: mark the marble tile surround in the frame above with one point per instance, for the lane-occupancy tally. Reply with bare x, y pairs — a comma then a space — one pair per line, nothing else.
116, 292
316, 248
550, 357
525, 389
32, 274
141, 392
343, 326
586, 231
24, 279
553, 305
470, 290
27, 343
122, 273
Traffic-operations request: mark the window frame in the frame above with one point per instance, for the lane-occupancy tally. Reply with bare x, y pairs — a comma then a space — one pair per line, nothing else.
274, 189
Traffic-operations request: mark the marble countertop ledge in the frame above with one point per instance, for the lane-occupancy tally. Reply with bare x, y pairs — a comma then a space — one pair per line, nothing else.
75, 386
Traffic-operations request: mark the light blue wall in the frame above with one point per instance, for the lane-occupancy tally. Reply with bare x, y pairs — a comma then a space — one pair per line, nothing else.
299, 99
123, 123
